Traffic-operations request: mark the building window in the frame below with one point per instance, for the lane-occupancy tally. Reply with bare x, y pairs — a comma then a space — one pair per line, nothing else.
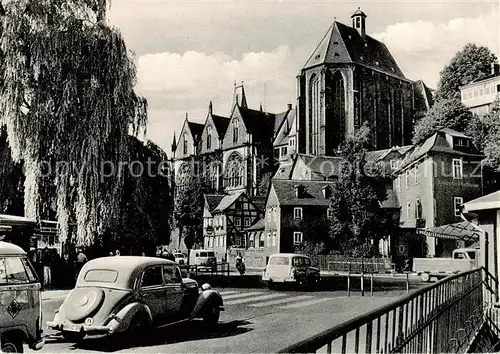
209, 137
274, 238
462, 142
407, 179
237, 241
329, 213
418, 209
234, 170
237, 221
238, 206
275, 213
185, 144
251, 243
246, 221
297, 213
394, 164
457, 169
291, 142
235, 130
269, 211
457, 205
261, 240
416, 173
408, 211
297, 237
269, 239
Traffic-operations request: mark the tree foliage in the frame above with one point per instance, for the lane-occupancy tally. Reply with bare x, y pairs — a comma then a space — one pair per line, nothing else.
145, 204
11, 180
485, 132
472, 62
357, 215
68, 103
445, 113
188, 211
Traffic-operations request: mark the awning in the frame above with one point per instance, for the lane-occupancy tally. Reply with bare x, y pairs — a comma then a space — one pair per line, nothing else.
463, 231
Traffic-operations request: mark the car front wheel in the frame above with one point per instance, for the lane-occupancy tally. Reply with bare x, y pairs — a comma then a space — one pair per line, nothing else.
212, 316
12, 345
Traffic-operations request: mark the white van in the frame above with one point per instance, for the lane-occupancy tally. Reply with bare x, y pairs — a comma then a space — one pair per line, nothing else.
203, 259
290, 268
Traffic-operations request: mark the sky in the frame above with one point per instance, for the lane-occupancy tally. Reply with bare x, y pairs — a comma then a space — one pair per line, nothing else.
189, 53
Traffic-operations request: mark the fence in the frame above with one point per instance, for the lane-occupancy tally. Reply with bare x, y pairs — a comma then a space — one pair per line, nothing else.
214, 269
442, 317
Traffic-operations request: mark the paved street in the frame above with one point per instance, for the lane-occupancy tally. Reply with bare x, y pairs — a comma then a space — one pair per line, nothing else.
255, 320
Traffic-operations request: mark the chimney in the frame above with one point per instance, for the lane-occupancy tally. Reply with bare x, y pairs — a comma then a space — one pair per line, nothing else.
299, 190
495, 69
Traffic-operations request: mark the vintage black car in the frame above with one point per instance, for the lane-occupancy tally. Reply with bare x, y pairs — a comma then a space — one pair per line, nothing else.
119, 294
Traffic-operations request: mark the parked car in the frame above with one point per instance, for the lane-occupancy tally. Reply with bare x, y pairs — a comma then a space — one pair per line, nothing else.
134, 294
180, 258
290, 268
203, 259
462, 259
20, 301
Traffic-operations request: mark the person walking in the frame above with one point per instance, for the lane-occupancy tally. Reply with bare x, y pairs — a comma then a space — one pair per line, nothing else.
81, 259
46, 262
117, 253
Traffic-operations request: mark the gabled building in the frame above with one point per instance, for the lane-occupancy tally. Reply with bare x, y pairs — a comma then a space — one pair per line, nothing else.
436, 177
225, 218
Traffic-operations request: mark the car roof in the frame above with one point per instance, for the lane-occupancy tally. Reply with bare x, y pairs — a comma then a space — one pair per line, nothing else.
288, 255
128, 267
7, 248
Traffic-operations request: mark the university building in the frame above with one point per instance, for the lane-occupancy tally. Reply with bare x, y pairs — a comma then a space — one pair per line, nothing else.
480, 94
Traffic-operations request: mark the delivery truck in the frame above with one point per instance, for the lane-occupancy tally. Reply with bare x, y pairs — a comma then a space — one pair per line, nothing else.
462, 259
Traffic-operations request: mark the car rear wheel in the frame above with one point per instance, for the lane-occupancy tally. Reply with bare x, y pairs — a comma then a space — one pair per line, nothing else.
12, 345
73, 337
212, 316
138, 327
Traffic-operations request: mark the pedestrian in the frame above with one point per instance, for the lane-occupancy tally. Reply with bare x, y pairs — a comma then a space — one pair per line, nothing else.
111, 253
46, 262
55, 271
81, 259
67, 268
117, 253
143, 254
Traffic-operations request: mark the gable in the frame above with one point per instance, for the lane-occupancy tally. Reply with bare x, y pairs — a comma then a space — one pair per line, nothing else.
301, 171
185, 135
272, 198
229, 142
209, 126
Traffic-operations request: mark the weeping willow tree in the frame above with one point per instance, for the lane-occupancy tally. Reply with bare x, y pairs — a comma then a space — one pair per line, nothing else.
68, 103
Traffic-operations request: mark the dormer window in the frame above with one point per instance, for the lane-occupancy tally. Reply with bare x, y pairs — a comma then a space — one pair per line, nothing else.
462, 142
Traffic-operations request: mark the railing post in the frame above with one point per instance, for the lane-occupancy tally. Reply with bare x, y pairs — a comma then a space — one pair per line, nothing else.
407, 282
371, 283
362, 278
349, 279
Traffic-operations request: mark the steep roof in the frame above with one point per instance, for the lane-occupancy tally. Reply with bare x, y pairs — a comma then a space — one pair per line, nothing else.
312, 195
260, 124
259, 225
259, 202
489, 201
326, 166
196, 130
424, 98
344, 45
227, 201
283, 131
213, 200
437, 143
392, 201
221, 124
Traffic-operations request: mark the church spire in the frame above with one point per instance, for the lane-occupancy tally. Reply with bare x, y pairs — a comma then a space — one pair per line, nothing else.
239, 97
210, 108
174, 144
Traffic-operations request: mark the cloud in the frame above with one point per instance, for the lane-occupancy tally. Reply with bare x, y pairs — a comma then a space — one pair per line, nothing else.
423, 48
178, 83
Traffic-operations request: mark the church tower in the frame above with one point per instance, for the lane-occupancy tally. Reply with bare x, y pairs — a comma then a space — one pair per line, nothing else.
351, 78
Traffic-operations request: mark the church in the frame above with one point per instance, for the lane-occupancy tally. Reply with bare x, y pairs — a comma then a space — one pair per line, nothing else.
349, 79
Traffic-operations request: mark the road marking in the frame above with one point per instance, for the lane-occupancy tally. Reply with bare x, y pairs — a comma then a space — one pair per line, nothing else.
281, 301
242, 295
228, 292
257, 298
305, 303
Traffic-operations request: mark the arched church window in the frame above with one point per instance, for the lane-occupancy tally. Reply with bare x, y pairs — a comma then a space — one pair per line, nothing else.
212, 174
314, 109
235, 130
185, 144
234, 170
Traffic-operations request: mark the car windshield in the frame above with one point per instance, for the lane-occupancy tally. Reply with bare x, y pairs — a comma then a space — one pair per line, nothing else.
280, 261
211, 254
472, 255
301, 261
101, 275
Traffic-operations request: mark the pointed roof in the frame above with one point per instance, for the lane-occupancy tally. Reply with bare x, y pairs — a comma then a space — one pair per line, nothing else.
358, 13
344, 45
174, 143
212, 200
221, 124
196, 130
237, 100
260, 124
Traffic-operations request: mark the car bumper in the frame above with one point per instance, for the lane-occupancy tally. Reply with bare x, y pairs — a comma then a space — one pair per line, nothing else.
37, 345
90, 330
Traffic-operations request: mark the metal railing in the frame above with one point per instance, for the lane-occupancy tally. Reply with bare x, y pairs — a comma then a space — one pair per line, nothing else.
213, 269
441, 317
